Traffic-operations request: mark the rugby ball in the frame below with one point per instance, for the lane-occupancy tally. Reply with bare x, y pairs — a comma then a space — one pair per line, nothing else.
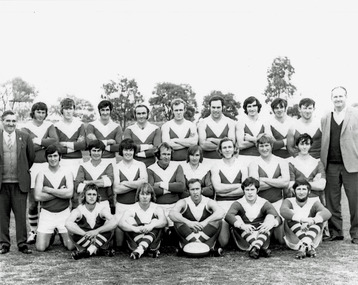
196, 249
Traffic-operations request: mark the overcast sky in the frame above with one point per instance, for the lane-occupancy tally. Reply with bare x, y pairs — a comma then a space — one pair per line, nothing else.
73, 47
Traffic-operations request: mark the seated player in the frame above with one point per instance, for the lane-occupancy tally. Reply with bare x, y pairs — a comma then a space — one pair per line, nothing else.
167, 179
195, 168
54, 189
305, 167
197, 218
179, 133
91, 225
129, 174
252, 219
98, 172
304, 217
227, 175
143, 223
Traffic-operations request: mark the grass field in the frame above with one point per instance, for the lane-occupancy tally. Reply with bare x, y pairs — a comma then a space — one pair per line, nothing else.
336, 263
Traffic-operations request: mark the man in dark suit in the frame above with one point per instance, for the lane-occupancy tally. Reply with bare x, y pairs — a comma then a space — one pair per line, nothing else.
16, 157
339, 155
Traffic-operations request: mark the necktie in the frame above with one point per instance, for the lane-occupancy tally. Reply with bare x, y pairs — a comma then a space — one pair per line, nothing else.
9, 142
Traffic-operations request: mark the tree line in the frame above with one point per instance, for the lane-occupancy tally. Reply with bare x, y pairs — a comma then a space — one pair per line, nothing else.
18, 95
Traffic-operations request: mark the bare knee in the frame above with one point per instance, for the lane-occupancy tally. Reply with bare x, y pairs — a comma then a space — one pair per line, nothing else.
41, 246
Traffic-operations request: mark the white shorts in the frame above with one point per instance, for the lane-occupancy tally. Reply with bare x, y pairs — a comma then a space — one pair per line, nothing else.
210, 162
72, 165
49, 221
122, 208
34, 170
106, 202
247, 159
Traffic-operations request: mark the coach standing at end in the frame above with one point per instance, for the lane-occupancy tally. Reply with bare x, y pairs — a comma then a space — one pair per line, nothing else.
16, 158
339, 155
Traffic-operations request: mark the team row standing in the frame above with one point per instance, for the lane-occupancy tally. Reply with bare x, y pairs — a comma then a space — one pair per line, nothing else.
110, 133
179, 133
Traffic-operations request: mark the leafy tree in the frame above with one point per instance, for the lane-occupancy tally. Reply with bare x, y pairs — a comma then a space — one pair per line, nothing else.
164, 94
279, 80
84, 108
23, 112
16, 91
230, 105
293, 111
124, 95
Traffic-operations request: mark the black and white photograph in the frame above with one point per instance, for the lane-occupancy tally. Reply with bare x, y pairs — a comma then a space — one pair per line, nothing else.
178, 142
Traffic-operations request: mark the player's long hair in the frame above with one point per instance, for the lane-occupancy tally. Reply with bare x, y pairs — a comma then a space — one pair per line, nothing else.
220, 144
104, 104
127, 144
67, 103
146, 188
163, 145
96, 144
90, 186
264, 138
305, 138
51, 149
38, 106
192, 150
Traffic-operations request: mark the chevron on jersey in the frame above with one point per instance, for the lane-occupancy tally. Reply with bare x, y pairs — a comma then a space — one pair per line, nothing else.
38, 131
304, 211
164, 174
91, 216
198, 173
252, 211
143, 134
217, 128
310, 129
94, 171
197, 210
278, 128
181, 131
105, 130
69, 129
55, 178
129, 172
145, 216
272, 168
255, 127
305, 167
230, 172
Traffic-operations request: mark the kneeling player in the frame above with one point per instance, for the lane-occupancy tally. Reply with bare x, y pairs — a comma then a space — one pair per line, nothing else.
143, 223
252, 219
304, 217
91, 225
54, 189
197, 218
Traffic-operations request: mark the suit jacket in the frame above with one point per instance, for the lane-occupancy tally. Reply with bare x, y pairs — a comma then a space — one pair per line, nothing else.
25, 158
348, 140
